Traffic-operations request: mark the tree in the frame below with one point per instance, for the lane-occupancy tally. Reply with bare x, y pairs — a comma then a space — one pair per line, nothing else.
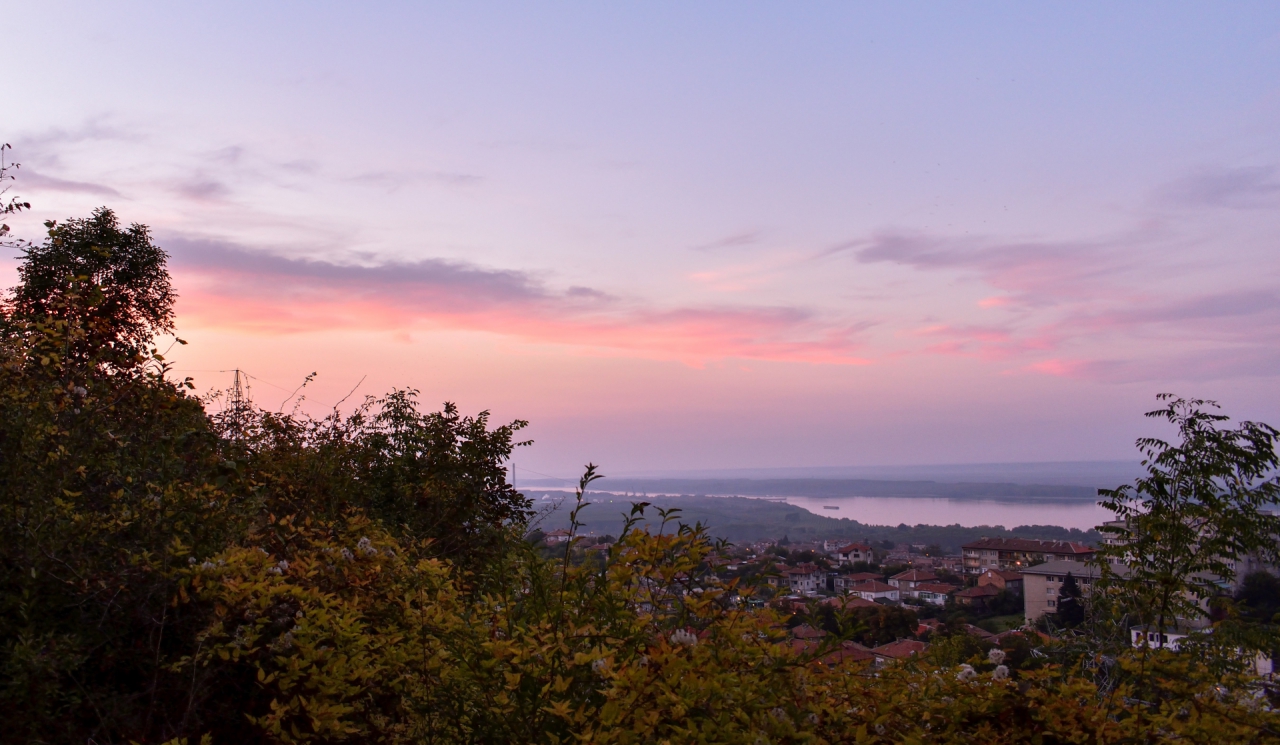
1259, 596
1202, 506
15, 204
1070, 603
112, 281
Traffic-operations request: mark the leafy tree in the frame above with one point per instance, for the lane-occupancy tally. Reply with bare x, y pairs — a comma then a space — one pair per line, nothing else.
1203, 505
111, 282
1070, 603
1259, 596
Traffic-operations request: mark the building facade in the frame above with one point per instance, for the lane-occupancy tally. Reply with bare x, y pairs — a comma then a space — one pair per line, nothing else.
1018, 553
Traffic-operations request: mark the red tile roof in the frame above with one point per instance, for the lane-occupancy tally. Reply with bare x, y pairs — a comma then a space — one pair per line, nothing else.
805, 631
802, 569
854, 547
1030, 545
980, 633
861, 576
900, 649
849, 652
915, 575
936, 587
872, 586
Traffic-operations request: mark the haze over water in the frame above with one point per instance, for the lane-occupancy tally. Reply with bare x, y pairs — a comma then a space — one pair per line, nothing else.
966, 512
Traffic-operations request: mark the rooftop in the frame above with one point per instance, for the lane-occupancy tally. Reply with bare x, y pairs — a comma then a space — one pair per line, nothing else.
872, 585
1029, 544
1074, 568
915, 575
900, 649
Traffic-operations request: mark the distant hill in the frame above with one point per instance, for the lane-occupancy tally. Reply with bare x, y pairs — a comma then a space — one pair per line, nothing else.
744, 520
813, 487
1090, 473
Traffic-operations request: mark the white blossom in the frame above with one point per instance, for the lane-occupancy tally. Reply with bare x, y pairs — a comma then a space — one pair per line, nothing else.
996, 656
687, 638
966, 673
1000, 673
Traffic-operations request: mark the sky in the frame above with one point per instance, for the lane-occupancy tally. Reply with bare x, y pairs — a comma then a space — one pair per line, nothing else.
690, 236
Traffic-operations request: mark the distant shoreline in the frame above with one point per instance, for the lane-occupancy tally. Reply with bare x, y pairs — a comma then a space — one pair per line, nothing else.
838, 489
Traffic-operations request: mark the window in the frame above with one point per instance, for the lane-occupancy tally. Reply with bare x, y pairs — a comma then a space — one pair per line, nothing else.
1053, 603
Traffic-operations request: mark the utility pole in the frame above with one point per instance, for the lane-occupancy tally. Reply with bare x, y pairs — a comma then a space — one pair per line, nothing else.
240, 401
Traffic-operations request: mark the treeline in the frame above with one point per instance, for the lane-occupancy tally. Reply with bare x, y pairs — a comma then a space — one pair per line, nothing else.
836, 488
177, 569
745, 520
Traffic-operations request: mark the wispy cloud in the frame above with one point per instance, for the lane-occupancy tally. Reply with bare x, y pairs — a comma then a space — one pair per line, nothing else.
735, 240
1036, 272
228, 285
1246, 187
38, 182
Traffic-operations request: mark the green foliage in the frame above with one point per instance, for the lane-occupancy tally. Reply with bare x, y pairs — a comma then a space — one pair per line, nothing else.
167, 575
1070, 603
1259, 596
111, 283
1203, 506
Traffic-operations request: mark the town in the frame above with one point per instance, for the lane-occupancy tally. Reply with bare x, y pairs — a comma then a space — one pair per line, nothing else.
998, 591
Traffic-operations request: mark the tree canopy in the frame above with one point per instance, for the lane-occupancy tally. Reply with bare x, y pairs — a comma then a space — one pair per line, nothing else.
172, 574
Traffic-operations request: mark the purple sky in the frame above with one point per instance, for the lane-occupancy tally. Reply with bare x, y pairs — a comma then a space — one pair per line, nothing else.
736, 235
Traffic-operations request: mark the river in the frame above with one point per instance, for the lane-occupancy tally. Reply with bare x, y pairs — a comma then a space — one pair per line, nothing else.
967, 512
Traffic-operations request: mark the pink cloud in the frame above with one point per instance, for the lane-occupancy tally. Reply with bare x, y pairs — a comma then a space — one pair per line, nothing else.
1059, 367
227, 286
983, 342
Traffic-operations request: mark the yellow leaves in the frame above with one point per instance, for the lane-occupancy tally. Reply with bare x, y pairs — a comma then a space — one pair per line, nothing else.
561, 709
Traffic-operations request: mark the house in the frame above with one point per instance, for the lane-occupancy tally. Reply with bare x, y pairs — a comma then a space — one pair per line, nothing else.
874, 590
854, 552
849, 652
804, 579
906, 581
807, 632
953, 564
1019, 553
977, 597
982, 634
928, 626
935, 593
899, 650
1002, 579
1042, 584
842, 582
1172, 637
557, 536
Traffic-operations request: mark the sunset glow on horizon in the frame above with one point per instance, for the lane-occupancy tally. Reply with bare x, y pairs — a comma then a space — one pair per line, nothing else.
672, 237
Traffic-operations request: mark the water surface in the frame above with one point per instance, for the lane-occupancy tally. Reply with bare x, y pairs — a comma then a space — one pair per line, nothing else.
967, 512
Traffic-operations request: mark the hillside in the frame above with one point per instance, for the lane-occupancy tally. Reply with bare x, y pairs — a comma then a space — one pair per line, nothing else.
742, 519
